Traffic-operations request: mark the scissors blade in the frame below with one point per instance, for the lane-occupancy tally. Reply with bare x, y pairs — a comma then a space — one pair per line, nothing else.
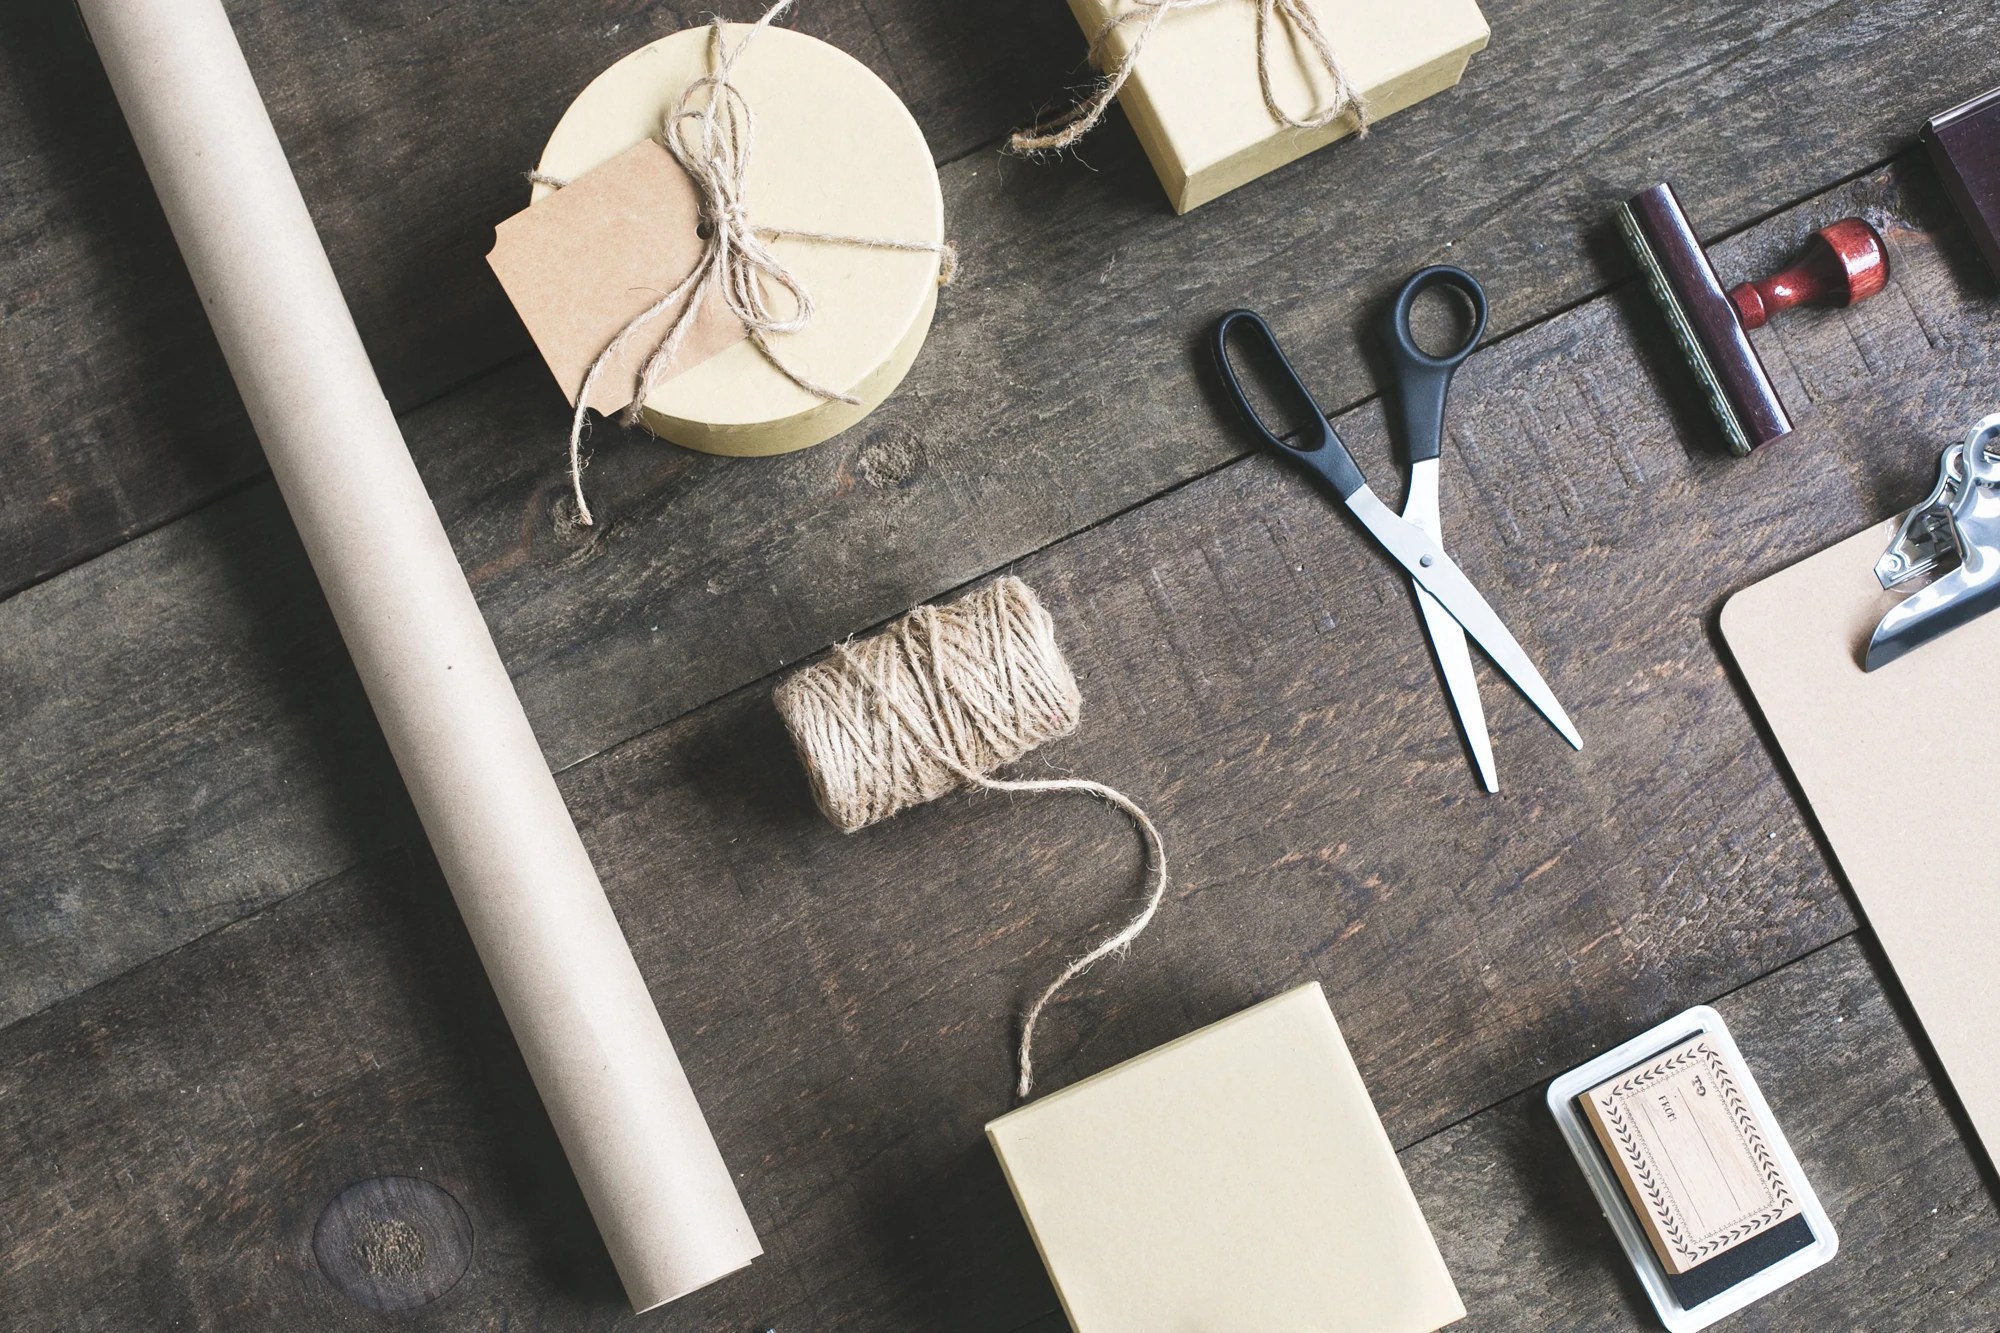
1419, 553
1454, 660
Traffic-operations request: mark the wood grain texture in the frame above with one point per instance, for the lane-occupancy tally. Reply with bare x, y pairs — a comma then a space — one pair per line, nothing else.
409, 125
165, 714
186, 748
392, 1242
179, 1133
1063, 382
189, 745
1529, 1249
846, 1004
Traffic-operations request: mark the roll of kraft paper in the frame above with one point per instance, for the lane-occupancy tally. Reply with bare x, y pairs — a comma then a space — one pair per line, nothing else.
649, 1168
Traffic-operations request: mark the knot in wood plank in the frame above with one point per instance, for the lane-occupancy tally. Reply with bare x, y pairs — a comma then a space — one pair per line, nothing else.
393, 1242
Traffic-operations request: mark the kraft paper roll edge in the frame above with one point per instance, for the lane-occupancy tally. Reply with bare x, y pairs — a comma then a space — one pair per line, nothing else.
649, 1169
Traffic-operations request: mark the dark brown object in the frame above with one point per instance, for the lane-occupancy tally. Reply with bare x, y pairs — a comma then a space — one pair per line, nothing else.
1842, 263
1964, 144
1703, 322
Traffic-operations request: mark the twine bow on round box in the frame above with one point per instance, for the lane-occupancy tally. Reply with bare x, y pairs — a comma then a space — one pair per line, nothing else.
820, 245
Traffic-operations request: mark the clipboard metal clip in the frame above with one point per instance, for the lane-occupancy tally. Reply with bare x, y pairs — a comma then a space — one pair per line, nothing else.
1959, 520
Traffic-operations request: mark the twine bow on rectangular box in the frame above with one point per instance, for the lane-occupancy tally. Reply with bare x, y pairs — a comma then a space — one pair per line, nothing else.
1222, 91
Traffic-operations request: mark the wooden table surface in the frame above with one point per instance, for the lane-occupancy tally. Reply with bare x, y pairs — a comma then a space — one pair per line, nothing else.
237, 1009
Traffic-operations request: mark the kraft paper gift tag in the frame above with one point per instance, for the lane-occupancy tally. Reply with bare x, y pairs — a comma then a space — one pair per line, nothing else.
1234, 1181
586, 260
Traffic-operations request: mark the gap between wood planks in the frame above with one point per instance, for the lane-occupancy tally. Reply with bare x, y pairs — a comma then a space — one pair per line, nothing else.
763, 679
1601, 111
1614, 325
1601, 317
990, 146
946, 594
262, 474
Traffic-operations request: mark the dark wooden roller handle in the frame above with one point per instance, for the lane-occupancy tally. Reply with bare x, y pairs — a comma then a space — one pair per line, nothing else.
1842, 264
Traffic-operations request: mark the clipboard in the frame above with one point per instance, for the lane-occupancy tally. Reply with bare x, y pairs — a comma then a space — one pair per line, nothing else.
1901, 767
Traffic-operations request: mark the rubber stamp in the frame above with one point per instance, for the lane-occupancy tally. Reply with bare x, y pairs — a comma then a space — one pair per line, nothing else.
1839, 265
1694, 1163
1691, 1170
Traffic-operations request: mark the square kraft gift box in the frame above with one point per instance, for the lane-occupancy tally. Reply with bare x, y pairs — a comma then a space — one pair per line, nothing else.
1196, 103
1234, 1181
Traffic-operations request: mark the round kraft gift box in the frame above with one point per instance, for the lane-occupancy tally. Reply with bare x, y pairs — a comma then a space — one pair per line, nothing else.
834, 151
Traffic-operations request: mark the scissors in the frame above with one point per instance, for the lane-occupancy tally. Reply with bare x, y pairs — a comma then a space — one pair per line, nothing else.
1451, 607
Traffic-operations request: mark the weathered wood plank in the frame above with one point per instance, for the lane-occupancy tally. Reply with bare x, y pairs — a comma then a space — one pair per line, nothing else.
409, 127
115, 826
178, 1133
118, 411
846, 1004
1068, 341
1047, 401
1255, 675
1574, 494
1919, 1235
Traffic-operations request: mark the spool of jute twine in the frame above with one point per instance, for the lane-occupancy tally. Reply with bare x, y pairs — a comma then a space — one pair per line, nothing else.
934, 704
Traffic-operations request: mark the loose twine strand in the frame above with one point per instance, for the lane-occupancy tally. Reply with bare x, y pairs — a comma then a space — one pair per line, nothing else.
1063, 129
712, 142
933, 704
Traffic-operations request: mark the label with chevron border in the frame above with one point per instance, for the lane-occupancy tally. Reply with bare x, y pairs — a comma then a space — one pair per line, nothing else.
1689, 1152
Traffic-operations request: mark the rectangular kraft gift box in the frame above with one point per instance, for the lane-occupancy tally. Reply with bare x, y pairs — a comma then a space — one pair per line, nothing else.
1237, 1180
1195, 101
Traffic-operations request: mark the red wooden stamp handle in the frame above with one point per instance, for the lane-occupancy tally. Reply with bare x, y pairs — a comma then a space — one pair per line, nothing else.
1842, 263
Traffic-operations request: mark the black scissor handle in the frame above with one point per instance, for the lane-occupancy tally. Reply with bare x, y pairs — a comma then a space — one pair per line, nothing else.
1422, 379
1318, 449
